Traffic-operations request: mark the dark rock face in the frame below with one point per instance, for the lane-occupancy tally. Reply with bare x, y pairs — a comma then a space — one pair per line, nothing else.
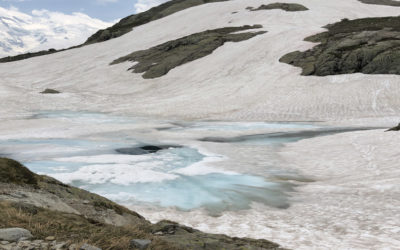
128, 23
369, 46
159, 60
149, 149
27, 55
50, 91
382, 2
282, 6
397, 128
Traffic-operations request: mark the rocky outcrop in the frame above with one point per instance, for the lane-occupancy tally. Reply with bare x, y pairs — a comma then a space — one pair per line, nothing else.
50, 91
282, 6
397, 128
382, 2
27, 55
128, 23
43, 213
369, 46
159, 60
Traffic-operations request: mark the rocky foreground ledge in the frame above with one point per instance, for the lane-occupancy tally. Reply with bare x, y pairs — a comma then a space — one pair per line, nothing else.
39, 212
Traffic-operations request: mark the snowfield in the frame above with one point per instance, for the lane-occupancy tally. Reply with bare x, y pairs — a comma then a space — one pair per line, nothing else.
354, 202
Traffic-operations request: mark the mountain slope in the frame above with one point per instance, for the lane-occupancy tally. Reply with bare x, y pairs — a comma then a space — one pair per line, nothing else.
246, 80
20, 33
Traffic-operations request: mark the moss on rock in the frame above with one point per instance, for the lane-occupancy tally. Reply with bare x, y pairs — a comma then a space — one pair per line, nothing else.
159, 60
369, 46
282, 6
13, 172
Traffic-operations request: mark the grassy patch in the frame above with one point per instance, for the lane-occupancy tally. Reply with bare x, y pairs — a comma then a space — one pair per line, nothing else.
13, 172
72, 228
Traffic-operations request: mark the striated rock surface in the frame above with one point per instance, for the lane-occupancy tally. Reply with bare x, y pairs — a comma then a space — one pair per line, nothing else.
369, 46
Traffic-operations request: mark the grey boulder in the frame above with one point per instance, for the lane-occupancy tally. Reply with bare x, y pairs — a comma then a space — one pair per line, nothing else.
14, 234
140, 244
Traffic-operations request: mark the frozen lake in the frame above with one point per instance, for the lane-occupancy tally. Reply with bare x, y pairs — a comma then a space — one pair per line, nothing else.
186, 177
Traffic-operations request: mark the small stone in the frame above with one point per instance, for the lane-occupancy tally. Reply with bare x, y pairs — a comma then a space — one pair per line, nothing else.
86, 202
50, 238
72, 247
89, 247
140, 244
24, 239
14, 234
4, 242
159, 233
37, 241
60, 245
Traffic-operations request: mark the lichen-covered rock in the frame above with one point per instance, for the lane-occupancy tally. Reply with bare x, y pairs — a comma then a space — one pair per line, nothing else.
14, 234
282, 6
369, 46
159, 60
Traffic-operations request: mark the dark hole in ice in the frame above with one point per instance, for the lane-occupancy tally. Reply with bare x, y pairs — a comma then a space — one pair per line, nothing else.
143, 150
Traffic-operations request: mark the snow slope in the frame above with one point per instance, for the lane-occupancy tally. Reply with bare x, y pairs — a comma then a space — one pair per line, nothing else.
42, 30
246, 81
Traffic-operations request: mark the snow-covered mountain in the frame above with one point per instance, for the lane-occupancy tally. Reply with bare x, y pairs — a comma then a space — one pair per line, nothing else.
42, 30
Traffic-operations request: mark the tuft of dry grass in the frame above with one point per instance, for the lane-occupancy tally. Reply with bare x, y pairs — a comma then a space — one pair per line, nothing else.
74, 229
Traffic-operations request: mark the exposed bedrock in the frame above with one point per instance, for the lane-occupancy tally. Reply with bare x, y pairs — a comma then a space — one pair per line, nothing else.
382, 2
397, 128
369, 46
159, 60
282, 6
